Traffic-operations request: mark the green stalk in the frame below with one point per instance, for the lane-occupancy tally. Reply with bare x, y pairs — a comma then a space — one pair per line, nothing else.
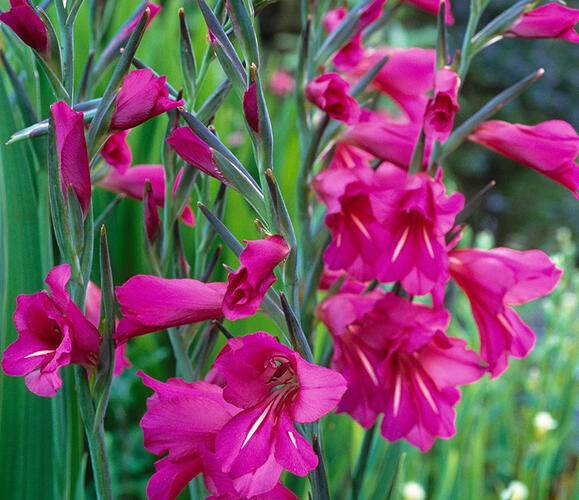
94, 436
361, 466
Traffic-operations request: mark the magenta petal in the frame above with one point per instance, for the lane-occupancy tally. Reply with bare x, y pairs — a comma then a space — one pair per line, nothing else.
550, 147
172, 477
195, 152
73, 162
292, 451
142, 97
43, 384
117, 152
247, 286
149, 304
246, 442
250, 107
320, 391
329, 92
24, 21
548, 21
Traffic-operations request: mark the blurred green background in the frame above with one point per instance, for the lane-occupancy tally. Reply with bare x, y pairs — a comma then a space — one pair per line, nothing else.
496, 442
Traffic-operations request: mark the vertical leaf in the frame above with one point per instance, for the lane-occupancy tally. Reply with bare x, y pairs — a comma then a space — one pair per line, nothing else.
25, 420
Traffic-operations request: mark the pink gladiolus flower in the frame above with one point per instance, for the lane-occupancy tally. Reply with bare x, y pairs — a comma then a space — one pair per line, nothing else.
182, 418
250, 109
398, 362
348, 57
247, 286
142, 97
274, 387
351, 196
417, 218
24, 21
549, 21
494, 280
346, 156
117, 153
195, 152
149, 304
52, 332
329, 92
132, 183
549, 147
432, 6
73, 162
406, 77
282, 83
384, 138
440, 110
92, 311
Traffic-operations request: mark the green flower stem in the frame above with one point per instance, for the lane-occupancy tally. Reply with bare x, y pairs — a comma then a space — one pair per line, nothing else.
476, 9
360, 470
95, 437
304, 216
184, 368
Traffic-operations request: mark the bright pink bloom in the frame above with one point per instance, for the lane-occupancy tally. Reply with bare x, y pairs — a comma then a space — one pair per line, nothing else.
142, 97
154, 9
247, 286
440, 110
182, 419
92, 311
406, 77
274, 387
398, 362
117, 152
549, 147
348, 57
417, 217
282, 83
250, 108
149, 304
329, 92
384, 138
24, 21
549, 21
195, 152
432, 6
73, 162
132, 183
494, 280
280, 492
52, 332
346, 156
349, 285
358, 236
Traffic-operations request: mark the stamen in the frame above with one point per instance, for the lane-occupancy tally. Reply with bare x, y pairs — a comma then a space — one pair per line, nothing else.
400, 244
39, 353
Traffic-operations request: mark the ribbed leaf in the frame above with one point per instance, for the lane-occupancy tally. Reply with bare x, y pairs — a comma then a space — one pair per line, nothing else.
26, 462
